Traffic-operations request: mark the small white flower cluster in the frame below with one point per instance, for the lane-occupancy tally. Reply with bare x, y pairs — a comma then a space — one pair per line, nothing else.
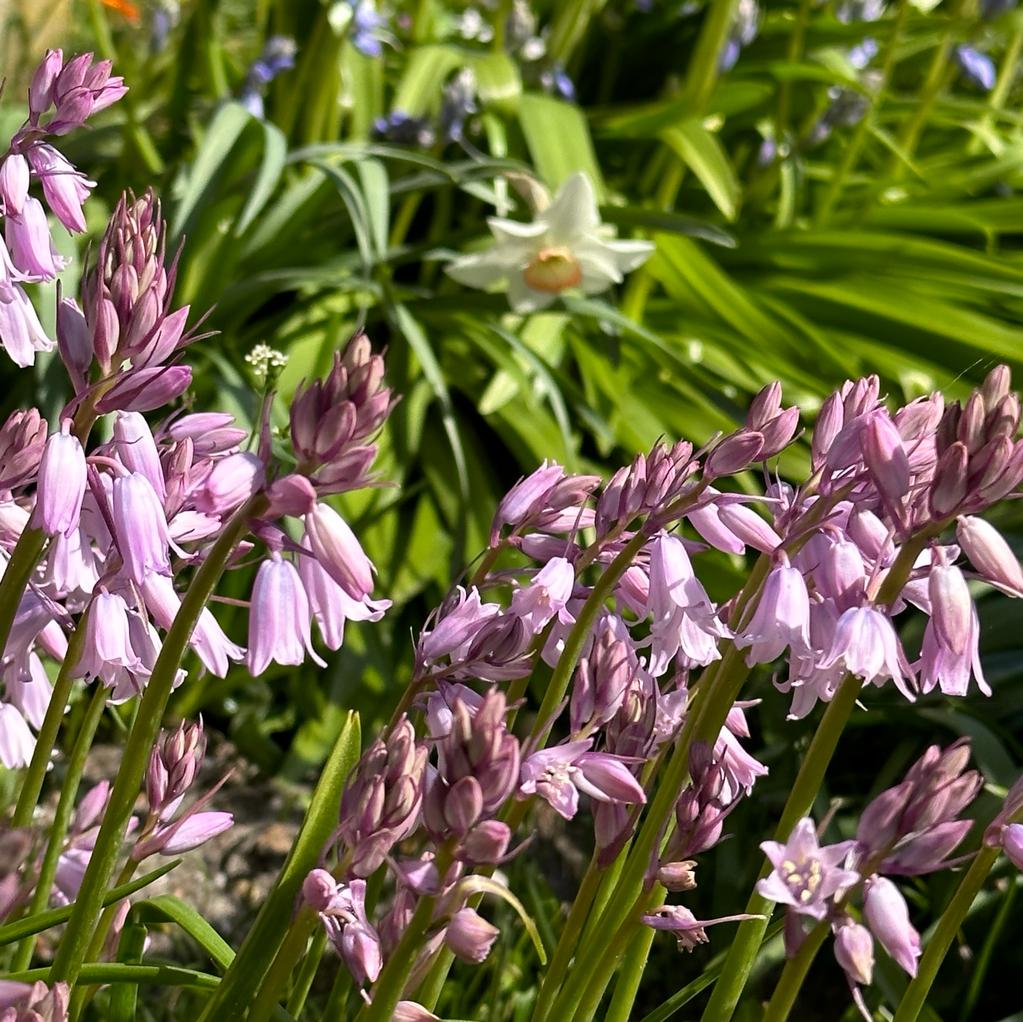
265, 360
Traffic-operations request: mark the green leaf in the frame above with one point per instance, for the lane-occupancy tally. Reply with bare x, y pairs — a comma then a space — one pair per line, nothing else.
409, 328
55, 916
214, 153
373, 177
124, 996
428, 67
498, 80
702, 152
275, 154
269, 930
559, 141
168, 908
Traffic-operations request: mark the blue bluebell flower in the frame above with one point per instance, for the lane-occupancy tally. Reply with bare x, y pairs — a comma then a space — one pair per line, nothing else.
369, 29
848, 11
404, 129
745, 27
976, 67
556, 80
457, 105
278, 55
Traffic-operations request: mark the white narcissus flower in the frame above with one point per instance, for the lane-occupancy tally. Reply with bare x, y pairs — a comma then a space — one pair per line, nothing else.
566, 247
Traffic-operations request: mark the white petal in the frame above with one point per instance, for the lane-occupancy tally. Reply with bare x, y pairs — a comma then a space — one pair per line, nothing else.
516, 231
574, 210
523, 298
476, 271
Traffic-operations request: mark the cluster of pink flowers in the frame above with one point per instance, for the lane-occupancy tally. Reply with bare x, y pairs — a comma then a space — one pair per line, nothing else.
61, 98
884, 488
910, 829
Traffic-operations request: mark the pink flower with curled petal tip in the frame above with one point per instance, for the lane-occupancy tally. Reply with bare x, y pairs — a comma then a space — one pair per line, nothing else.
781, 619
456, 625
332, 606
21, 333
546, 596
280, 619
560, 773
866, 645
64, 187
686, 928
806, 875
28, 238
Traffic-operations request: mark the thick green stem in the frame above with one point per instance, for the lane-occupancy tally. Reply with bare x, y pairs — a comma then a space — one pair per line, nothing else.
703, 68
62, 818
791, 980
746, 945
291, 951
81, 926
630, 976
306, 975
46, 740
937, 75
568, 941
948, 926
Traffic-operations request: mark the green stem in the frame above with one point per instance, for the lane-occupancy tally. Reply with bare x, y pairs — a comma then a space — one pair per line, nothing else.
703, 67
748, 938
948, 926
937, 74
792, 976
272, 988
996, 101
851, 156
568, 941
62, 817
306, 975
71, 953
630, 976
46, 740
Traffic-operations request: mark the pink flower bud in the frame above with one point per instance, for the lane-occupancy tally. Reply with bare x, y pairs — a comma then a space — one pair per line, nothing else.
677, 876
734, 453
1012, 843
486, 843
338, 550
830, 420
885, 912
990, 553
885, 458
469, 936
233, 480
194, 830
61, 486
854, 951
17, 743
40, 92
950, 481
143, 390
74, 341
749, 527
14, 183
291, 495
319, 889
951, 606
